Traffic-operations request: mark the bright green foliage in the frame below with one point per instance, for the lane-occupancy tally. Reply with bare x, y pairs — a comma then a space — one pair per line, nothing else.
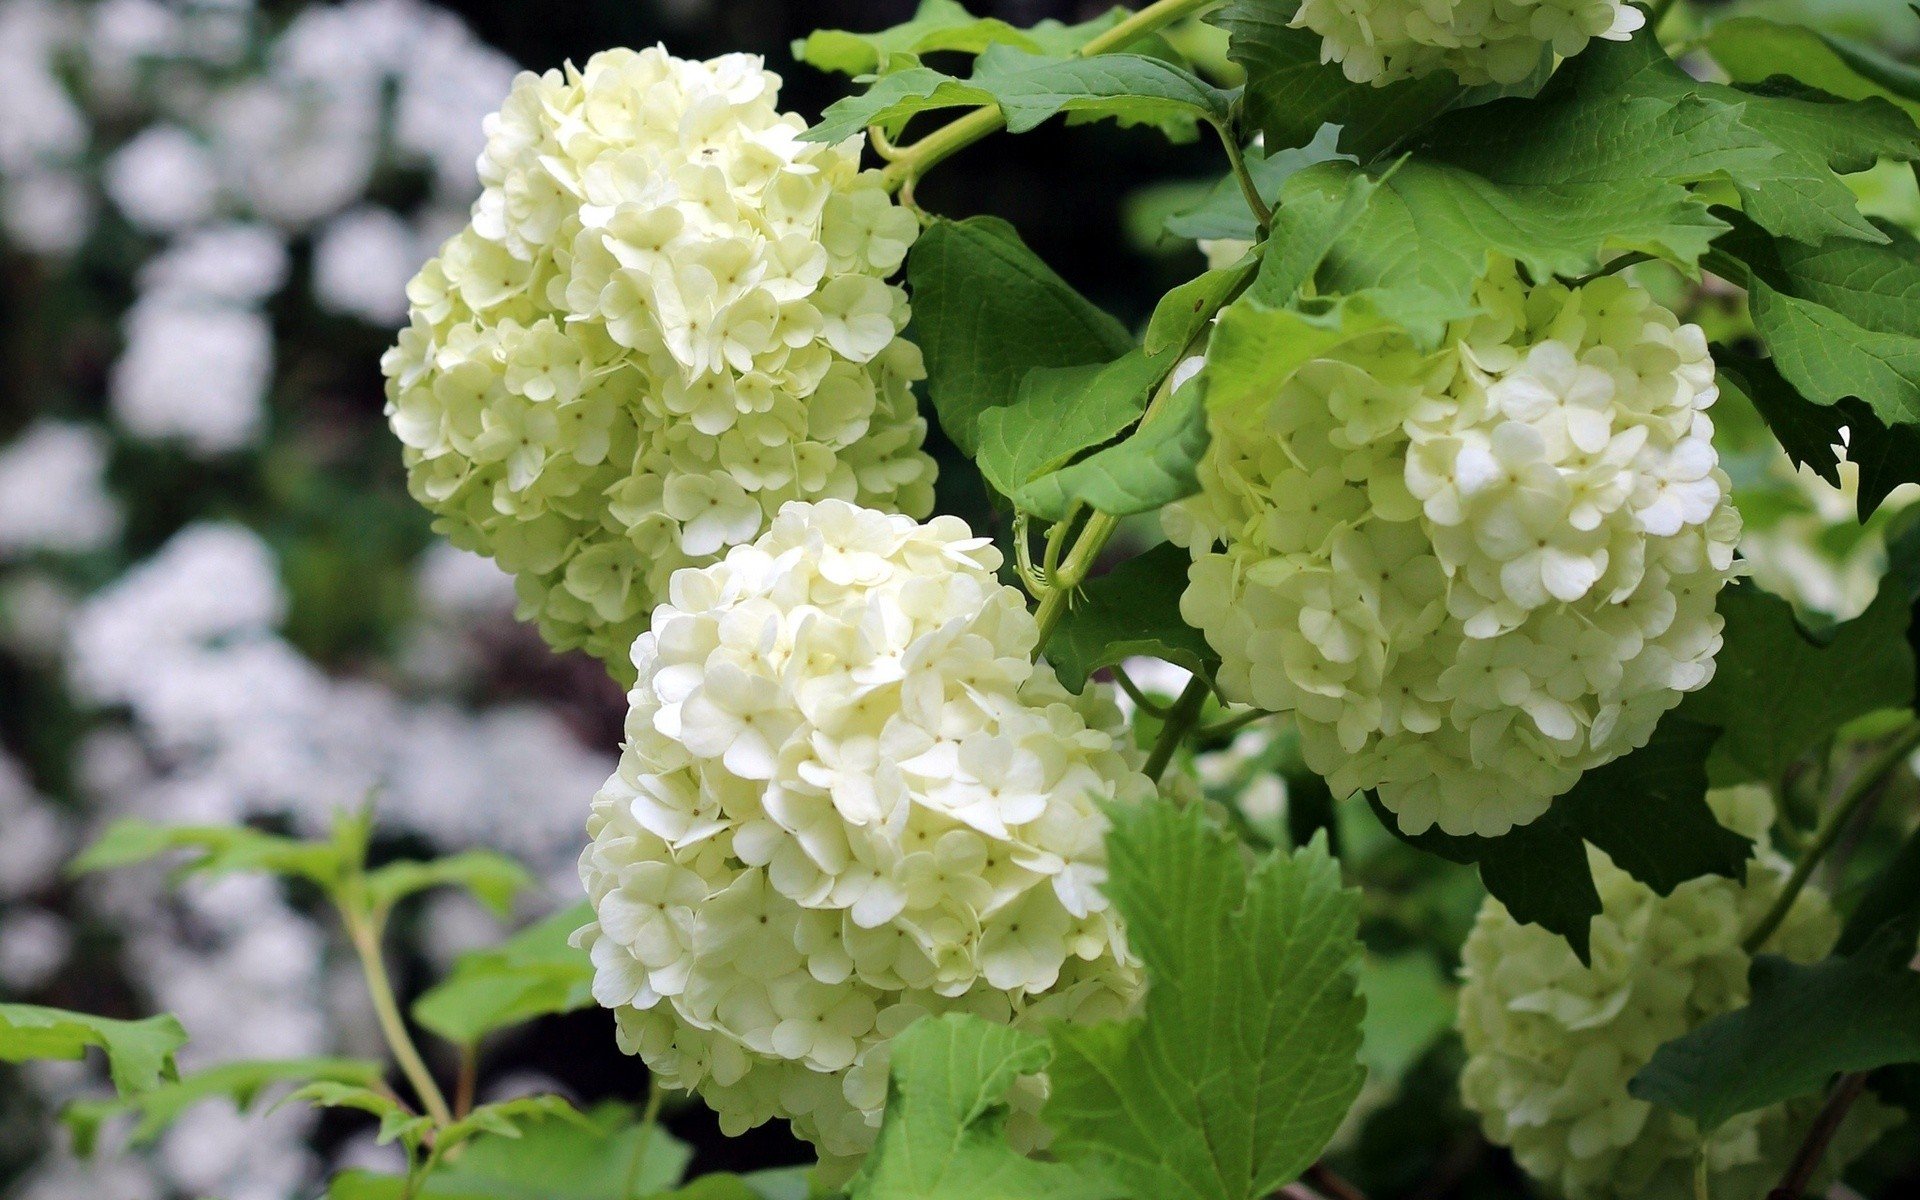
1029, 88
1059, 411
986, 311
240, 1083
229, 849
1291, 93
1410, 1006
398, 1123
1133, 609
139, 1053
1254, 349
609, 1155
510, 1119
532, 974
1647, 810
1245, 1059
1778, 692
1224, 212
1153, 466
1186, 311
939, 26
1801, 1026
493, 879
943, 1135
1753, 50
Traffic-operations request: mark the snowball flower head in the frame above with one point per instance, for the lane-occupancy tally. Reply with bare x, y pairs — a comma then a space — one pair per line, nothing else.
1551, 1044
1379, 41
848, 799
668, 317
1476, 573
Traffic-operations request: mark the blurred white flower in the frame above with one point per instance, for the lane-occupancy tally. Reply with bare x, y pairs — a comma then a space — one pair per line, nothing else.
33, 945
164, 180
47, 210
194, 373
237, 263
53, 494
36, 838
362, 262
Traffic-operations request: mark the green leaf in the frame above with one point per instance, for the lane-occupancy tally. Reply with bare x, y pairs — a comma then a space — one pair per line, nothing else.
534, 973
1152, 467
1291, 94
986, 311
509, 1119
217, 850
1030, 88
1803, 1024
1133, 609
492, 878
1893, 896
1410, 1006
1810, 433
1058, 412
238, 1082
1778, 691
1841, 319
1753, 50
139, 1053
397, 1123
939, 26
1223, 213
1246, 1058
611, 1157
943, 1134
1255, 348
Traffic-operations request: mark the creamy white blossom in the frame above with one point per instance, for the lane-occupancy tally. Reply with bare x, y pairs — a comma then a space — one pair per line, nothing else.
1481, 41
195, 374
668, 317
164, 180
53, 493
362, 262
1472, 574
1551, 1044
848, 798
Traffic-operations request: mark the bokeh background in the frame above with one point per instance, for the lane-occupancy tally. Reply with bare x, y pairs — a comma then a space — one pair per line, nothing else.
217, 602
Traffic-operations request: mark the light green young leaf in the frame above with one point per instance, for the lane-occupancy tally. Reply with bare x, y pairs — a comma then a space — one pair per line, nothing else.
943, 1134
217, 850
1030, 88
1246, 1058
1224, 212
238, 1082
1754, 50
1291, 94
1183, 313
492, 878
1801, 1026
1410, 1006
1133, 609
534, 973
397, 1123
139, 1053
509, 1119
939, 26
1059, 412
1255, 348
1153, 466
986, 311
613, 1157
1777, 692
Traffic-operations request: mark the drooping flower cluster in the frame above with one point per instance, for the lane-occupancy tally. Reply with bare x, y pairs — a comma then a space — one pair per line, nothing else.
1472, 574
848, 798
1551, 1044
668, 317
1481, 41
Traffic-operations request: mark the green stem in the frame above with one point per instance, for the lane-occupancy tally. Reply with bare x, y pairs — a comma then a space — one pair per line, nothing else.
1180, 722
363, 930
1140, 699
1233, 724
649, 1121
916, 160
1073, 572
1238, 160
1859, 790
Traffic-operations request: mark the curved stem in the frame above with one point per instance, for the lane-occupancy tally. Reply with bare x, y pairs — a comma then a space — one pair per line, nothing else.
1235, 156
916, 160
1180, 722
1862, 787
1833, 1114
1141, 700
1231, 724
363, 931
1073, 572
649, 1121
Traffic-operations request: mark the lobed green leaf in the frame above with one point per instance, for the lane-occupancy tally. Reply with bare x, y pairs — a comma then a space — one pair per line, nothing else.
240, 1083
1132, 610
535, 973
139, 1053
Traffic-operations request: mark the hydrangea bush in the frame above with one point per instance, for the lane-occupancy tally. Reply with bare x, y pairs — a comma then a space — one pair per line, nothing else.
1119, 840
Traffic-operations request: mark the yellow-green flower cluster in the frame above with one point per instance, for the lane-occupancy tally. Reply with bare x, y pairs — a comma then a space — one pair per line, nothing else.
668, 317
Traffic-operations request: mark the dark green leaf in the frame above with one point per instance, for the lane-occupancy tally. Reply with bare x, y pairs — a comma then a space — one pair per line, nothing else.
1153, 466
986, 311
1802, 1024
238, 1082
1133, 609
532, 974
1778, 692
1249, 1043
139, 1053
1057, 412
1893, 896
943, 1135
1753, 50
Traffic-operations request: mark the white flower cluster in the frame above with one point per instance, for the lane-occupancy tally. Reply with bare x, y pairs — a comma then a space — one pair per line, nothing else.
1481, 41
1551, 1044
1805, 541
668, 317
1474, 574
53, 494
848, 798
